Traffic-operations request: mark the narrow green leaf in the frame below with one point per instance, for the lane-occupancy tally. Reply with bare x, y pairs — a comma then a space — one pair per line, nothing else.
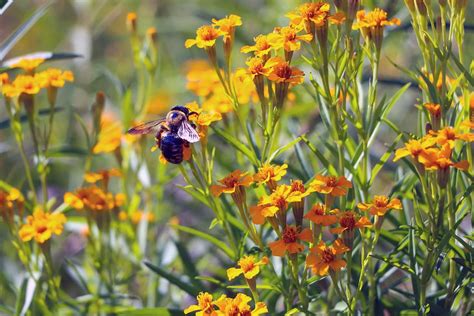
282, 149
185, 286
237, 144
215, 241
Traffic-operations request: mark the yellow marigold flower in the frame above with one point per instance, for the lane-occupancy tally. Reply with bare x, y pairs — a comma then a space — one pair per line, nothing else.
102, 175
28, 64
290, 241
231, 183
4, 78
320, 216
449, 135
372, 25
262, 48
414, 148
201, 78
110, 135
380, 205
248, 266
204, 307
239, 306
54, 77
324, 259
26, 84
227, 26
41, 226
93, 199
282, 72
202, 119
257, 66
289, 38
334, 186
9, 201
312, 15
138, 216
440, 159
270, 174
206, 37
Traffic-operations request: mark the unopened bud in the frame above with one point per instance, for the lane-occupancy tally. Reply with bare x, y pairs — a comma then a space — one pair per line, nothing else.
132, 22
152, 34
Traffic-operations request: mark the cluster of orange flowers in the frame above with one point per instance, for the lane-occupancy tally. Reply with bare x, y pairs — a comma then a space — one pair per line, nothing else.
273, 208
226, 306
434, 151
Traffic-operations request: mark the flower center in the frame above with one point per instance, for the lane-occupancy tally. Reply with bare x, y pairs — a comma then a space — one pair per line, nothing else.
348, 221
290, 235
318, 209
283, 71
208, 33
331, 182
327, 256
41, 229
381, 201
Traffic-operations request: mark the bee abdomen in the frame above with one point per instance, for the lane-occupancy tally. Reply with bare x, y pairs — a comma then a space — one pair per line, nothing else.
172, 148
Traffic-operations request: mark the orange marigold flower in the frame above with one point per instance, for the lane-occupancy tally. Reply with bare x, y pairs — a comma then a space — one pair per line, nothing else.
290, 241
282, 72
324, 259
414, 148
248, 266
313, 15
231, 182
440, 159
449, 135
53, 77
278, 201
202, 119
263, 45
204, 305
320, 216
41, 226
4, 78
9, 200
434, 109
270, 174
28, 64
102, 175
257, 66
201, 78
206, 37
239, 306
380, 205
334, 186
93, 199
372, 25
349, 220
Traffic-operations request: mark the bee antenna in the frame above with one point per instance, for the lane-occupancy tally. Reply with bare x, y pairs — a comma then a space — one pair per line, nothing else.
193, 113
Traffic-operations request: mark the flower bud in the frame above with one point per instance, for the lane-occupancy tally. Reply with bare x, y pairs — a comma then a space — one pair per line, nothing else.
132, 22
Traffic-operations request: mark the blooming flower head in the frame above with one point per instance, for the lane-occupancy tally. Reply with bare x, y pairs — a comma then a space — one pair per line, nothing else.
53, 77
9, 201
93, 199
248, 266
290, 241
270, 174
334, 186
312, 15
349, 220
239, 306
320, 216
202, 119
227, 26
262, 48
324, 259
289, 38
41, 226
414, 148
440, 159
204, 307
257, 67
282, 72
4, 78
449, 135
231, 182
22, 84
372, 25
206, 37
28, 64
201, 78
380, 205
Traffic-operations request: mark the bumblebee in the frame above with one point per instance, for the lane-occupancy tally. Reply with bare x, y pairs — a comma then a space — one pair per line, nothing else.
172, 134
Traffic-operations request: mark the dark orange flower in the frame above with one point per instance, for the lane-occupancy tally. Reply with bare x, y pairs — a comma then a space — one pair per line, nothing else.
334, 186
449, 135
320, 216
324, 259
380, 205
290, 241
349, 220
231, 182
414, 148
440, 159
282, 72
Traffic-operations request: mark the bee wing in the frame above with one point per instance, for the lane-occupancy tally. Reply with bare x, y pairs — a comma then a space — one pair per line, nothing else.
146, 128
187, 132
